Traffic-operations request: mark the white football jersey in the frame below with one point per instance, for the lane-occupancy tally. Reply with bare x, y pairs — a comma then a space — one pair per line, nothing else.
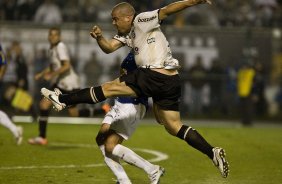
151, 48
68, 80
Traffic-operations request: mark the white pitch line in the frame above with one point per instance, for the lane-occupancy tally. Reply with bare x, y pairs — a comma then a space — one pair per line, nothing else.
159, 156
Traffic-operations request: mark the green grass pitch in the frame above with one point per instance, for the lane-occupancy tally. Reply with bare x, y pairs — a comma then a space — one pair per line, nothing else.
254, 155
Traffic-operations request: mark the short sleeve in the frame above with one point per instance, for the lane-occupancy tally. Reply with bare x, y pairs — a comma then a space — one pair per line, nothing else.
125, 40
147, 21
62, 52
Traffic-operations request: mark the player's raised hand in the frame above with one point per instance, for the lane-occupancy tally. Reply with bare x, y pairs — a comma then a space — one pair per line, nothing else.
96, 32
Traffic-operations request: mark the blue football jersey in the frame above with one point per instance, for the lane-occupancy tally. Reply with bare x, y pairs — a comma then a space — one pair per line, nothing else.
129, 65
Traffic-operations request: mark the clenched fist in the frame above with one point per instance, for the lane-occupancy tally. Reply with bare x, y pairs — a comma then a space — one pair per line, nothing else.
96, 32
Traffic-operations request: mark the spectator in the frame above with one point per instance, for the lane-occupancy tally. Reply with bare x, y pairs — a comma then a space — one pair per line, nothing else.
48, 13
21, 66
198, 76
70, 11
8, 9
88, 11
216, 77
259, 89
245, 15
40, 62
22, 83
26, 10
92, 68
265, 11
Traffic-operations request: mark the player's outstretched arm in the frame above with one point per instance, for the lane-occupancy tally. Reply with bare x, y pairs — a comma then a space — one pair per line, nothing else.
40, 75
179, 6
108, 46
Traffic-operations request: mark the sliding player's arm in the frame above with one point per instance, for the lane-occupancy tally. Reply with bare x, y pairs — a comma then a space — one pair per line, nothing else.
179, 6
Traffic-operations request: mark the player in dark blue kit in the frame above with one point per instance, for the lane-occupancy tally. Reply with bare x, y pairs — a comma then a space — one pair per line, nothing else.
119, 124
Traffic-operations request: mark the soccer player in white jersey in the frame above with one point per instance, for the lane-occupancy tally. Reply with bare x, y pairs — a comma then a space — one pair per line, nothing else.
61, 76
17, 131
118, 125
156, 77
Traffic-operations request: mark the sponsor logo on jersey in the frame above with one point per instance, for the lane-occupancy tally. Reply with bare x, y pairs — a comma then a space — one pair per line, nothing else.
151, 40
147, 19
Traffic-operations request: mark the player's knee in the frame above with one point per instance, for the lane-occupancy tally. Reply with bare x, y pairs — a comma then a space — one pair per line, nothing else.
44, 104
73, 112
172, 127
107, 89
100, 138
102, 134
113, 88
109, 147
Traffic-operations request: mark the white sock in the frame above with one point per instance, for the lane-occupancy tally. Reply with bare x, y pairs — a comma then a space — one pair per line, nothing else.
132, 158
115, 166
7, 122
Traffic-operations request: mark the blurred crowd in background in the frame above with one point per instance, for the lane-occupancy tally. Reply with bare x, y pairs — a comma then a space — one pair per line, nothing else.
259, 13
229, 91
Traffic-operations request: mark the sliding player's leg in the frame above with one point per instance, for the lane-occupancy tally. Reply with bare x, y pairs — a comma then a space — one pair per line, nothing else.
17, 131
111, 161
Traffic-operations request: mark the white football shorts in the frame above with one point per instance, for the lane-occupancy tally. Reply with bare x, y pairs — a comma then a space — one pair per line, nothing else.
124, 118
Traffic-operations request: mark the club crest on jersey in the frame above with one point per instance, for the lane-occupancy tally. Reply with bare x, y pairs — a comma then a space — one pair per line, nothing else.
151, 40
147, 19
136, 50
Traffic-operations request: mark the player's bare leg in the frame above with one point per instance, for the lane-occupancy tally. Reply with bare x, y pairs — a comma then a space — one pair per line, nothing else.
172, 123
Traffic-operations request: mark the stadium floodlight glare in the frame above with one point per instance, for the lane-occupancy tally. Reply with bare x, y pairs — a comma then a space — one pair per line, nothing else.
276, 33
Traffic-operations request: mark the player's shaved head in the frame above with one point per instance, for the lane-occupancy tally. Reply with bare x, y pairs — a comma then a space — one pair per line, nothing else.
124, 9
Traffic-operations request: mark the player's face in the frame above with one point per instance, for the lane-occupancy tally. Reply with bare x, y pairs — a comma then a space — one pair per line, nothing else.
121, 22
54, 37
